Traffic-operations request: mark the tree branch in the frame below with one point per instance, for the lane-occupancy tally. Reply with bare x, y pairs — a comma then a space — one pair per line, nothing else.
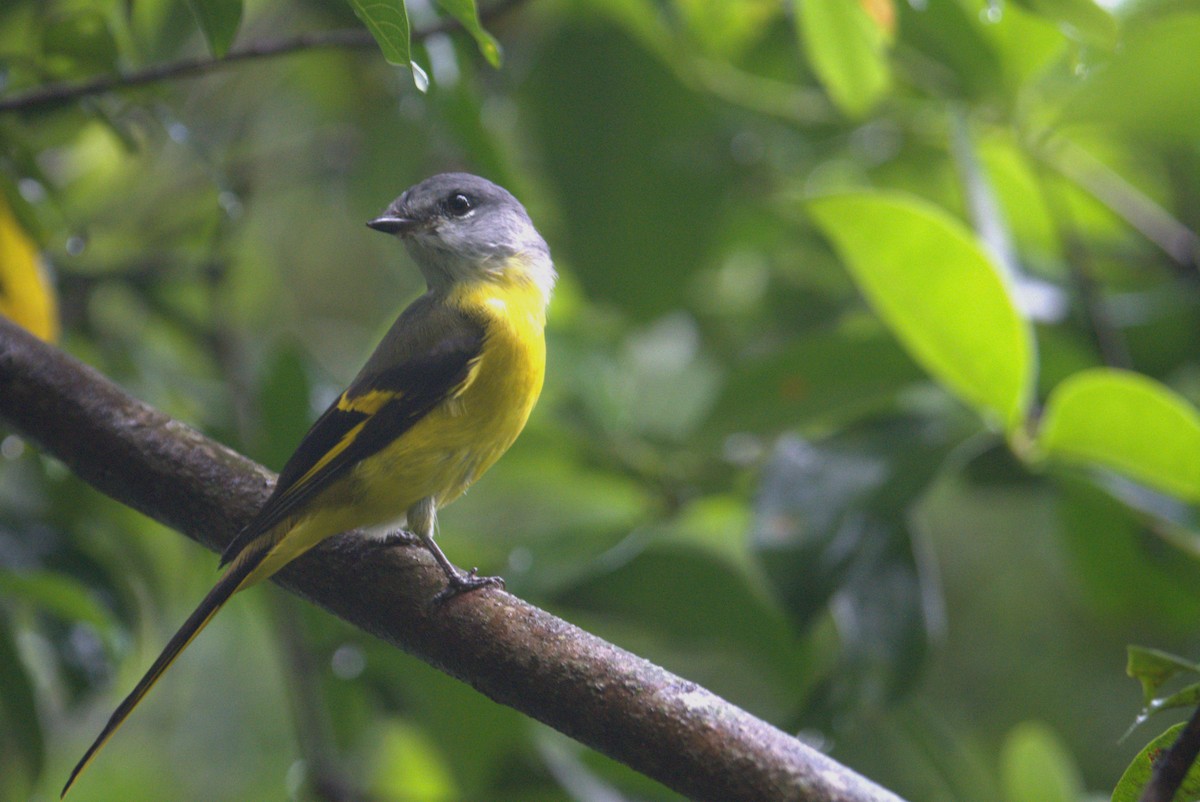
655, 722
57, 94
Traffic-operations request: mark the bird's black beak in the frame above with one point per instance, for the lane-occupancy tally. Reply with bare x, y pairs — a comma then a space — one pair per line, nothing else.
394, 224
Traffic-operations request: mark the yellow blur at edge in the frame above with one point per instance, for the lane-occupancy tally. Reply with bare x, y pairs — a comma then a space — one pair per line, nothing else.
26, 295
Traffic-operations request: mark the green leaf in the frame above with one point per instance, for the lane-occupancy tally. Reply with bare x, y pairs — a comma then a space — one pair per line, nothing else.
218, 20
1150, 86
81, 42
831, 533
726, 29
1129, 787
931, 282
387, 20
60, 595
714, 609
1036, 765
823, 375
284, 407
1114, 533
22, 745
847, 50
1129, 423
1153, 667
467, 13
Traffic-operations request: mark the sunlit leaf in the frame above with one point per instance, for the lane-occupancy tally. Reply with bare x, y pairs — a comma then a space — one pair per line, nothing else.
1036, 765
1126, 422
407, 765
26, 294
467, 13
219, 21
931, 282
848, 51
1129, 787
883, 12
1079, 19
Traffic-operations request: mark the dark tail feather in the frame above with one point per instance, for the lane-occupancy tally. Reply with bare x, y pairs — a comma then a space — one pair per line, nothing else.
226, 586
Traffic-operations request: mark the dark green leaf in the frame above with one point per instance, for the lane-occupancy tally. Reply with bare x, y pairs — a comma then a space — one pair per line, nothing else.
285, 408
830, 532
81, 40
634, 236
1117, 548
826, 506
387, 20
951, 36
21, 736
219, 21
1129, 787
1153, 667
688, 600
819, 376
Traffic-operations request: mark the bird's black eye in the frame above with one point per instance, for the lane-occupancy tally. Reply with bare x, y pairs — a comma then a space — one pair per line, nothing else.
459, 204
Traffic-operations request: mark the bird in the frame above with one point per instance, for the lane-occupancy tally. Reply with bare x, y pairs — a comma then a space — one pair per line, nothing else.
444, 394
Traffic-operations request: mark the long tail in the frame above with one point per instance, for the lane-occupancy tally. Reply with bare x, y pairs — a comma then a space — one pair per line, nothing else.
230, 583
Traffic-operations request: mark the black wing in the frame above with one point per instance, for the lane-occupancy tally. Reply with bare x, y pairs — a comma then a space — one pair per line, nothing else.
429, 353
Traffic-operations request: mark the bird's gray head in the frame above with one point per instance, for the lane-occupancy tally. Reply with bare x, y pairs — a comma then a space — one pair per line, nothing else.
458, 226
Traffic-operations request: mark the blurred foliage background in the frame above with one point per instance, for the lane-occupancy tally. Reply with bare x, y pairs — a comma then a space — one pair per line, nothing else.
823, 263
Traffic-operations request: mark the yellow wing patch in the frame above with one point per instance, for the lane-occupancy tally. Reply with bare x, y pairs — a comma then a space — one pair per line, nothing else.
368, 403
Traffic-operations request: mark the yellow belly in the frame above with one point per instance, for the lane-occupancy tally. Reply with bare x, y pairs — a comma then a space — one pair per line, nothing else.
461, 438
454, 444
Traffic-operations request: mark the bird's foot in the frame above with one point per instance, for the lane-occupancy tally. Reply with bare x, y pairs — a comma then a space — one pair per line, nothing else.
464, 583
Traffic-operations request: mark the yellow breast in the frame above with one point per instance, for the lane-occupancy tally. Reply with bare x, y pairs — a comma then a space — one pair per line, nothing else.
460, 439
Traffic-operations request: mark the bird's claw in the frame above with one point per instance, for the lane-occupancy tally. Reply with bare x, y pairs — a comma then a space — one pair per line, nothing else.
464, 583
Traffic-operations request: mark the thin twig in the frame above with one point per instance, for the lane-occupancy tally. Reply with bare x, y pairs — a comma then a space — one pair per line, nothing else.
1128, 202
1108, 337
57, 94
